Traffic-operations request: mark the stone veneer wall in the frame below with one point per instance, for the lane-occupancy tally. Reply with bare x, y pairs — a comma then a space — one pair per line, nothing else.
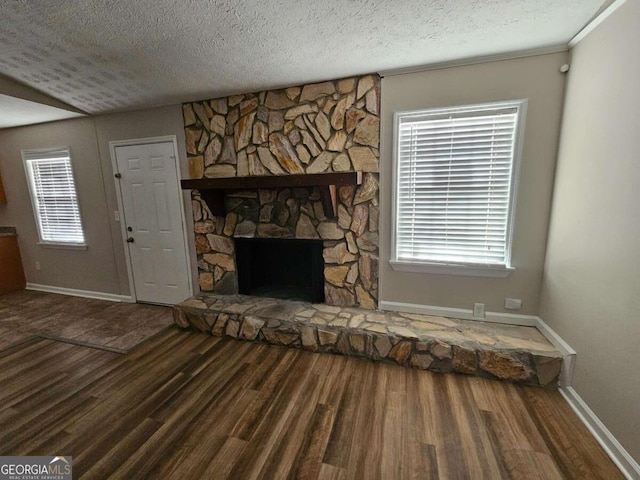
331, 126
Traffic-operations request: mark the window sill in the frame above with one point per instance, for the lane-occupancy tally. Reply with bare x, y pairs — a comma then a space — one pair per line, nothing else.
64, 246
452, 269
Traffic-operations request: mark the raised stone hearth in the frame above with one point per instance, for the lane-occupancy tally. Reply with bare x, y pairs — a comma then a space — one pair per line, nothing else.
505, 352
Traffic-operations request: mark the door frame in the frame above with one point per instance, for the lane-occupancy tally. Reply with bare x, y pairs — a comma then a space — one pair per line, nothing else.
113, 144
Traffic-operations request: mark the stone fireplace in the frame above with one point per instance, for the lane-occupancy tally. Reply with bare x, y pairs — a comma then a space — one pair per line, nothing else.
312, 129
298, 168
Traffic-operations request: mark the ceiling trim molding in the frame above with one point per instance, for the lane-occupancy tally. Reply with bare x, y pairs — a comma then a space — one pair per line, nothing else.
476, 60
593, 24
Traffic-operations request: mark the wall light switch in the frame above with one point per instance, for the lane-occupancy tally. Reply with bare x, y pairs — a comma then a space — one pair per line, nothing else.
512, 303
116, 215
37, 265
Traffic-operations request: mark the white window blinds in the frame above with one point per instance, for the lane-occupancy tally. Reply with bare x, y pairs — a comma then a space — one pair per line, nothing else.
53, 192
454, 181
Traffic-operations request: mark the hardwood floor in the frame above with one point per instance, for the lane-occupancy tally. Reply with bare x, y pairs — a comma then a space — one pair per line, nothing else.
187, 405
103, 324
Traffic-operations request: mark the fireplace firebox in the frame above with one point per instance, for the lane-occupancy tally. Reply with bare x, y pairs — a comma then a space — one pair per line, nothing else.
281, 268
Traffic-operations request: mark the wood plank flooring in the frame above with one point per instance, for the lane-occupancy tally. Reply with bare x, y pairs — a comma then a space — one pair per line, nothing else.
190, 406
113, 326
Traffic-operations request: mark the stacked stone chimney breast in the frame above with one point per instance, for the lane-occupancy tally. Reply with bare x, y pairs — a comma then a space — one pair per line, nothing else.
332, 126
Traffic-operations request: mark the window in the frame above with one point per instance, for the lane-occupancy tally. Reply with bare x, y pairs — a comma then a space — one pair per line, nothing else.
53, 193
454, 189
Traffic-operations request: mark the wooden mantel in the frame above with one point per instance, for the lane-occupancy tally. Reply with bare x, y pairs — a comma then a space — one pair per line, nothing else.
212, 189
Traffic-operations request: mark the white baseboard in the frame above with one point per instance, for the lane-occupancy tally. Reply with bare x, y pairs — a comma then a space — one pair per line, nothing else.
627, 465
568, 353
495, 317
81, 293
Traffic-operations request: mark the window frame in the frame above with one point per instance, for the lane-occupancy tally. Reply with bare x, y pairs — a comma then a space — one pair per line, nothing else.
461, 268
35, 206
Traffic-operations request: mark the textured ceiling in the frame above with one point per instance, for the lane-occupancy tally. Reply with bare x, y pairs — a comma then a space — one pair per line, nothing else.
109, 55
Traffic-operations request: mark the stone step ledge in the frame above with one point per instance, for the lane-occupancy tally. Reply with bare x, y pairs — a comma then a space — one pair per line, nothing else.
376, 336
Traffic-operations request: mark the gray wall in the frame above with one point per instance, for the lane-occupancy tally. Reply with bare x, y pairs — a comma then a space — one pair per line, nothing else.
102, 267
536, 78
591, 288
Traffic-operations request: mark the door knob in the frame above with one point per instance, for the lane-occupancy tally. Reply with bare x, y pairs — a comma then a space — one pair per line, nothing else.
130, 240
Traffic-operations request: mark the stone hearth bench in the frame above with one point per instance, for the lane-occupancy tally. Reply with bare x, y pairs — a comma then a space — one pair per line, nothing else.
505, 352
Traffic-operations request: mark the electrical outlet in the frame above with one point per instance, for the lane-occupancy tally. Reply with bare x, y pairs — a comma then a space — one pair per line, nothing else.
478, 310
38, 266
512, 303
116, 215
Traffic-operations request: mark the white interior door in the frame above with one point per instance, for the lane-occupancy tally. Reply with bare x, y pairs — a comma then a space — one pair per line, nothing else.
151, 205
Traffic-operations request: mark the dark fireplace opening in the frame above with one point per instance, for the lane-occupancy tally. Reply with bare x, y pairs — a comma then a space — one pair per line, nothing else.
281, 268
